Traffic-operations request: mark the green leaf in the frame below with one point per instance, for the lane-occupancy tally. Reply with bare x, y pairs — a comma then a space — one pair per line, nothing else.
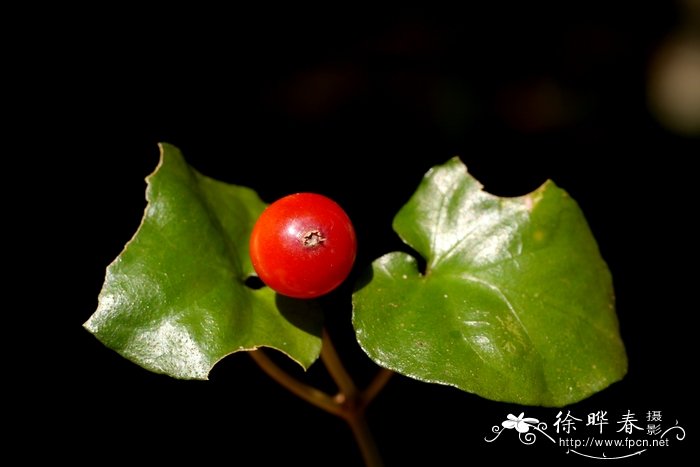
516, 303
175, 300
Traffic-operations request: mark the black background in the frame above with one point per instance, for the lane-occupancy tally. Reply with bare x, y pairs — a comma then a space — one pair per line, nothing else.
357, 105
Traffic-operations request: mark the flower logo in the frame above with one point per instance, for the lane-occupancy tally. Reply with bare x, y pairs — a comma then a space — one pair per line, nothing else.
522, 425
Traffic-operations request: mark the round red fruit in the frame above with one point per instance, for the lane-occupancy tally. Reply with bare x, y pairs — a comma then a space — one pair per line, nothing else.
303, 245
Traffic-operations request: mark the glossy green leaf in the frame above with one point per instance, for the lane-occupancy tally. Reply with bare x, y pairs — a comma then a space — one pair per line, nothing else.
516, 303
175, 300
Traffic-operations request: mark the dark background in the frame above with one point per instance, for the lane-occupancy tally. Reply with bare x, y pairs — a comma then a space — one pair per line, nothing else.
358, 105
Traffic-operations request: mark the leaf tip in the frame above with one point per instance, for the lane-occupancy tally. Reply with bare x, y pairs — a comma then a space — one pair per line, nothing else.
163, 147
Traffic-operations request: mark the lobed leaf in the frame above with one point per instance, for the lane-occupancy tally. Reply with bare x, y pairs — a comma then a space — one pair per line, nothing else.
516, 303
175, 300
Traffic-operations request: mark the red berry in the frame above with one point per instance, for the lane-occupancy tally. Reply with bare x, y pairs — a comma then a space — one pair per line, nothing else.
303, 245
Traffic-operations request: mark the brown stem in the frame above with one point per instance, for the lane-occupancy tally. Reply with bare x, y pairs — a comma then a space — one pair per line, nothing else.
312, 395
363, 437
352, 403
349, 404
376, 385
331, 360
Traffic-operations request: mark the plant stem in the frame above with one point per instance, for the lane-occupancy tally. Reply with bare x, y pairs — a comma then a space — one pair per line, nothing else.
377, 384
349, 404
309, 394
352, 402
335, 367
363, 437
